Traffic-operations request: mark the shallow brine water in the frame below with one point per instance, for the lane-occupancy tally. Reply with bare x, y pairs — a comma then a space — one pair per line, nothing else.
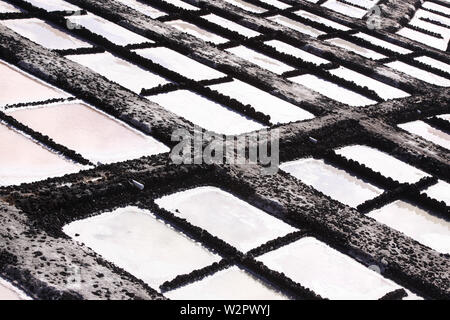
44, 34
229, 284
328, 272
205, 113
180, 63
416, 223
280, 111
90, 132
225, 216
23, 161
334, 182
148, 248
17, 86
383, 163
120, 71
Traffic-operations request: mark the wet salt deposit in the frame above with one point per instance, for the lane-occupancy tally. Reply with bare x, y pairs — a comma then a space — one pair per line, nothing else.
427, 132
23, 161
177, 62
17, 86
89, 131
120, 71
260, 59
328, 272
136, 241
383, 163
205, 113
225, 216
229, 284
332, 90
324, 178
279, 110
45, 34
416, 223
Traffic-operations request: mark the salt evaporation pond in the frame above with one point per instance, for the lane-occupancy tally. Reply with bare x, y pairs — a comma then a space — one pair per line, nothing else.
297, 26
327, 272
10, 292
427, 132
136, 241
246, 6
434, 63
383, 90
260, 59
322, 20
233, 26
17, 86
88, 131
347, 45
298, 53
120, 71
334, 182
111, 31
230, 284
7, 8
419, 73
179, 63
23, 161
53, 5
382, 162
45, 34
196, 31
332, 90
382, 43
345, 9
146, 9
205, 113
439, 191
225, 216
280, 111
276, 4
416, 223
183, 5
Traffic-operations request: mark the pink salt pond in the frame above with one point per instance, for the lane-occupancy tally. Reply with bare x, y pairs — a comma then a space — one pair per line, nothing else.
90, 132
17, 86
22, 160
